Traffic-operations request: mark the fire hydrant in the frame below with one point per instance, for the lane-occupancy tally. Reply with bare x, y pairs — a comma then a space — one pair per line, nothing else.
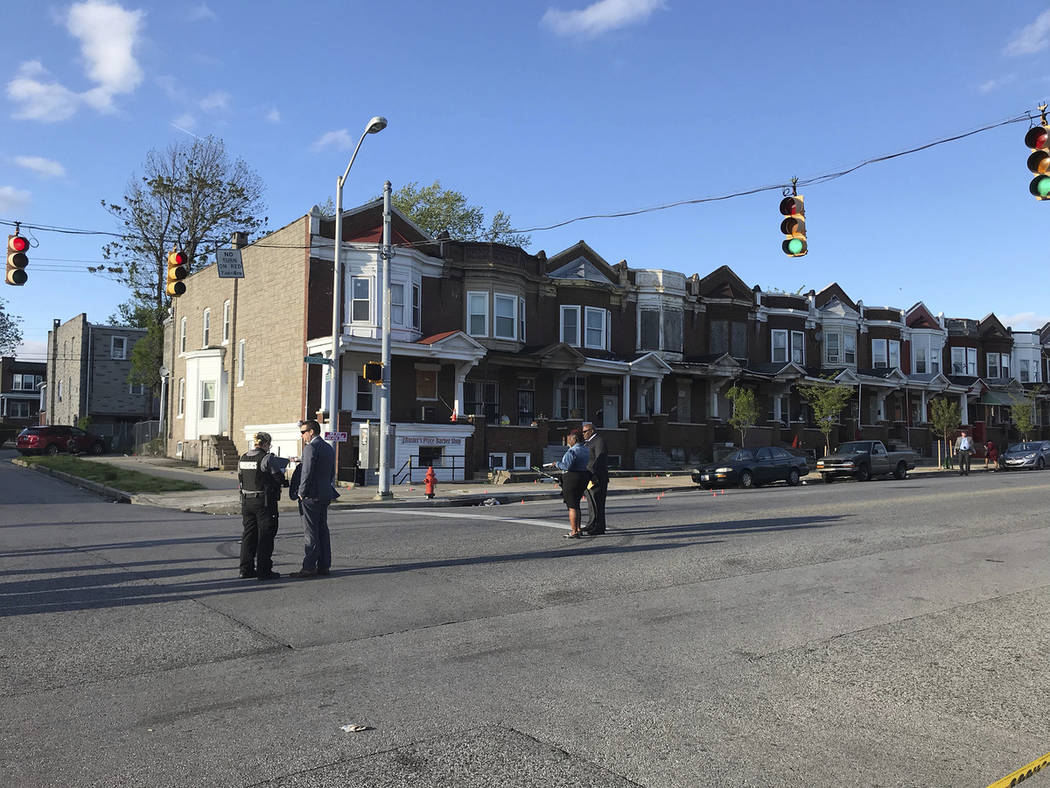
430, 481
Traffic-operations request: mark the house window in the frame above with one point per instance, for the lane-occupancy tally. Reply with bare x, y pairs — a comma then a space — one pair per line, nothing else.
964, 361
481, 398
886, 353
206, 328
360, 304
832, 351
118, 348
17, 409
478, 314
415, 306
397, 304
497, 461
671, 339
521, 319
522, 460
779, 342
926, 353
182, 335
225, 321
895, 353
181, 407
570, 398
998, 365
798, 347
649, 330
240, 362
596, 328
526, 406
426, 384
570, 325
1022, 371
207, 399
136, 389
506, 311
840, 348
364, 395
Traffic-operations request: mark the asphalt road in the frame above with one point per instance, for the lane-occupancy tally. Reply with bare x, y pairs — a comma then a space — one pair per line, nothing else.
888, 633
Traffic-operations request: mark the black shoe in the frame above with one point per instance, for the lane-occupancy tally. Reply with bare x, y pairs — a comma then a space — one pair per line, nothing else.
323, 572
248, 573
304, 573
270, 576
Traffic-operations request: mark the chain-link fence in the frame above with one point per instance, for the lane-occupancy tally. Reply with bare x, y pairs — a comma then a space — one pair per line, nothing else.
146, 436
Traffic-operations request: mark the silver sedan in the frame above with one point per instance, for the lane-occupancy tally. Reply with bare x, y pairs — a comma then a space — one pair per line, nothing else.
1030, 454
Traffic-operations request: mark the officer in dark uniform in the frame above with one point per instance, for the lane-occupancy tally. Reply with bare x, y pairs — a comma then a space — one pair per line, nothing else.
261, 476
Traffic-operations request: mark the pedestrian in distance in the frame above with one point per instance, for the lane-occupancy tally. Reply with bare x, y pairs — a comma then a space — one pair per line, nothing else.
964, 448
260, 475
598, 486
991, 455
316, 492
574, 480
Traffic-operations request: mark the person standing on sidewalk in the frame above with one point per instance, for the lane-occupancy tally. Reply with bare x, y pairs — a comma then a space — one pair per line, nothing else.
316, 492
598, 487
964, 448
261, 476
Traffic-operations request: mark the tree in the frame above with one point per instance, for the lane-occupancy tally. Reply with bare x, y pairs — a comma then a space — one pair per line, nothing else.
191, 196
10, 331
745, 410
436, 210
944, 415
827, 401
1021, 413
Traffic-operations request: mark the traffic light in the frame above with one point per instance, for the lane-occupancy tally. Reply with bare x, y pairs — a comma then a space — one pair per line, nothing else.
794, 226
373, 372
1038, 139
178, 269
17, 260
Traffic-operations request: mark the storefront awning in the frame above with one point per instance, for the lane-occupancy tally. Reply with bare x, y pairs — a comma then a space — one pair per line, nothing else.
999, 398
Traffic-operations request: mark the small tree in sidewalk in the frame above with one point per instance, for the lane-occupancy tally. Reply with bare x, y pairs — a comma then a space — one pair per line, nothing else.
745, 410
944, 415
827, 401
1022, 413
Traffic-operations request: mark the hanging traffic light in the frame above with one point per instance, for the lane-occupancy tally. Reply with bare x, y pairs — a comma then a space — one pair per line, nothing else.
17, 260
178, 269
373, 372
794, 226
1038, 139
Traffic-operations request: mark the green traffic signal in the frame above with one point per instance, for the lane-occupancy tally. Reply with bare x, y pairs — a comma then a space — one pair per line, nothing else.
796, 247
1040, 187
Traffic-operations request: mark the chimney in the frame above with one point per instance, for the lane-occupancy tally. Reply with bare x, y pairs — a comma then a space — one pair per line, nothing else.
238, 240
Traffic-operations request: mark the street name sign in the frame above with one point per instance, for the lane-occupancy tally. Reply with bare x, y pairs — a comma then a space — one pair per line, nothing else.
317, 360
335, 436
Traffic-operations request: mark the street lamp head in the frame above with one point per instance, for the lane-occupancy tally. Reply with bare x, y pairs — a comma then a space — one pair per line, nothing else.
376, 125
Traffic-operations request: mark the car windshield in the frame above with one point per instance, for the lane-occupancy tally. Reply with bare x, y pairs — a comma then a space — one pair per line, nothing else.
1025, 447
857, 447
741, 455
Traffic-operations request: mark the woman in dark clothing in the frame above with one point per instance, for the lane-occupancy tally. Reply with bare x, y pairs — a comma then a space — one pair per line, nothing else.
574, 480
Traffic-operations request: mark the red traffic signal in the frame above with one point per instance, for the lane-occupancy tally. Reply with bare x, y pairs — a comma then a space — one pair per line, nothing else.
1038, 139
794, 226
178, 269
17, 260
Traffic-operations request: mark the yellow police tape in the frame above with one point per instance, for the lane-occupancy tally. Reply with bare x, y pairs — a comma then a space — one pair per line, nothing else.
1022, 774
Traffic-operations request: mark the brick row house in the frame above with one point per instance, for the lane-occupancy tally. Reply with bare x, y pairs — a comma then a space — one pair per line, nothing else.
496, 352
21, 383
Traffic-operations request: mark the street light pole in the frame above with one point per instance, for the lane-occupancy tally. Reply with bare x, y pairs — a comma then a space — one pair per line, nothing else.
384, 396
375, 125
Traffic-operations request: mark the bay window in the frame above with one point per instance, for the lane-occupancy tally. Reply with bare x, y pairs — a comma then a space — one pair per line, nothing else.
505, 316
360, 299
570, 325
478, 314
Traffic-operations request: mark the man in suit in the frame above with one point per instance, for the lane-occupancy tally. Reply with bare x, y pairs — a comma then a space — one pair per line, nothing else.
316, 491
598, 465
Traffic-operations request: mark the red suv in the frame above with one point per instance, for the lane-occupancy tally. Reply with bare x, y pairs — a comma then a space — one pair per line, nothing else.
52, 440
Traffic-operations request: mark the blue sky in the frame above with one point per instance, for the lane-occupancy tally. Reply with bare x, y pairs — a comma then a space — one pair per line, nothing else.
552, 110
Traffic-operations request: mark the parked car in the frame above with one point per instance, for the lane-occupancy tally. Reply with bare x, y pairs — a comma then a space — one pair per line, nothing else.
1030, 454
753, 467
58, 438
864, 459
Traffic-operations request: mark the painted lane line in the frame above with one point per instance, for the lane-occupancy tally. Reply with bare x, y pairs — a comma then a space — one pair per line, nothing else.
467, 516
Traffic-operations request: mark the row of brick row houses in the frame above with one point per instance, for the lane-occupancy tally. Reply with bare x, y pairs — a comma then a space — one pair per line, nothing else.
495, 352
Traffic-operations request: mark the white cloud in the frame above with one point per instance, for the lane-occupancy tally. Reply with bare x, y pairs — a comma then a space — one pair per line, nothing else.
12, 199
1031, 38
992, 85
340, 140
273, 116
185, 121
1024, 321
201, 13
108, 36
218, 99
600, 17
46, 101
49, 168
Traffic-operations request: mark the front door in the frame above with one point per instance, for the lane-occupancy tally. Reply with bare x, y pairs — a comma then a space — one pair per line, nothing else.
609, 408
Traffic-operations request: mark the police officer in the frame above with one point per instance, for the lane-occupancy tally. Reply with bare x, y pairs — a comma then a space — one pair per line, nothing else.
261, 476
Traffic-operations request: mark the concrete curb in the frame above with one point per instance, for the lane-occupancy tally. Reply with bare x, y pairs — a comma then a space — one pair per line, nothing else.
119, 496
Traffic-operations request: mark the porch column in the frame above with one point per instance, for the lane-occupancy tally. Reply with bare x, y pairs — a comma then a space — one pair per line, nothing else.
922, 406
880, 406
461, 374
964, 412
626, 397
658, 390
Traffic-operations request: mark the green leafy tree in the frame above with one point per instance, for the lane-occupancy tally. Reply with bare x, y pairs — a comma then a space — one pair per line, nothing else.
10, 331
1021, 413
944, 415
827, 401
436, 210
745, 410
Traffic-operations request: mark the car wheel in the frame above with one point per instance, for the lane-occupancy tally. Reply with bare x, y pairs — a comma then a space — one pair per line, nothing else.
901, 471
828, 478
747, 480
97, 448
793, 477
863, 473
1040, 464
52, 450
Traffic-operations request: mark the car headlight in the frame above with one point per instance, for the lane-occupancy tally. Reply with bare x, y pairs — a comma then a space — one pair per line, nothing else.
723, 470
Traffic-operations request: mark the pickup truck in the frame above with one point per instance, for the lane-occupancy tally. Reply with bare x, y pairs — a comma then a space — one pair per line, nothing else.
864, 459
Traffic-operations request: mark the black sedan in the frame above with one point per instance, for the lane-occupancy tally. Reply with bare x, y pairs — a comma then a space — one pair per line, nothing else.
1030, 454
753, 467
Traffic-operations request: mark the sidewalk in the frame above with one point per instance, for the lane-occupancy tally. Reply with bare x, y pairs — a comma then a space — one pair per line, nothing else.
220, 495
